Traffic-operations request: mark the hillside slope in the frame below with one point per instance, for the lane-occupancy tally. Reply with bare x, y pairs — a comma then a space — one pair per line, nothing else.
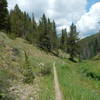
90, 46
15, 56
26, 73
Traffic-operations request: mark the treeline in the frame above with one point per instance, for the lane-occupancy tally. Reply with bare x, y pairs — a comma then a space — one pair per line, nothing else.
43, 34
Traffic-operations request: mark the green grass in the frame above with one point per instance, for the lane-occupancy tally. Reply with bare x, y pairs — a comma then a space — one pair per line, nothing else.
76, 86
47, 88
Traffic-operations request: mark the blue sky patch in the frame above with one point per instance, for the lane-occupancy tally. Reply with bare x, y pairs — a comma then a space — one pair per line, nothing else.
90, 3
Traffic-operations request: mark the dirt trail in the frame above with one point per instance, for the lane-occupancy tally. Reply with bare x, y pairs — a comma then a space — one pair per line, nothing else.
57, 88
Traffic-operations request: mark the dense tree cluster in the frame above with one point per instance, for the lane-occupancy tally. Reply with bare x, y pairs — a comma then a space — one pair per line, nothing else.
63, 40
4, 15
43, 34
47, 39
69, 41
22, 25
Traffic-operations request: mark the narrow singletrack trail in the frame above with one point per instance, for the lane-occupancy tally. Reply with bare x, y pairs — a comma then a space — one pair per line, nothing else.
58, 95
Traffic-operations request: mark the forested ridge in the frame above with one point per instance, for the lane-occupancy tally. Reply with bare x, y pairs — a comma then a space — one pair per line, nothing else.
43, 33
90, 46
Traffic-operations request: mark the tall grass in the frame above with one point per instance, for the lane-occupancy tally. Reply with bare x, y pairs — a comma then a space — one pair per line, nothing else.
74, 85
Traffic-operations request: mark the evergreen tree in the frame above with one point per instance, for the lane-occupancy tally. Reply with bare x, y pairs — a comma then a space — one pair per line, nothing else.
3, 15
22, 25
72, 42
35, 29
16, 21
51, 29
63, 40
55, 38
29, 29
44, 37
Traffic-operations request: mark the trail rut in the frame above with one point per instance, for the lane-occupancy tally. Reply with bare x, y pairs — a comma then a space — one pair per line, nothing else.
57, 88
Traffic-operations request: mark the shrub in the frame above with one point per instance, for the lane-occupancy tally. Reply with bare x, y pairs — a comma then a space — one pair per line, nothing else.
27, 71
45, 70
93, 76
28, 77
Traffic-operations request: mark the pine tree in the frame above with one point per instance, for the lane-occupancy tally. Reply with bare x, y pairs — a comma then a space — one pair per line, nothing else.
22, 25
63, 40
72, 42
3, 15
55, 38
50, 33
44, 41
16, 21
29, 29
35, 29
51, 29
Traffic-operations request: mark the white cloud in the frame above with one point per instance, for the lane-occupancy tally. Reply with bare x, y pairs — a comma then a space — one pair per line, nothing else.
64, 12
69, 10
88, 24
38, 7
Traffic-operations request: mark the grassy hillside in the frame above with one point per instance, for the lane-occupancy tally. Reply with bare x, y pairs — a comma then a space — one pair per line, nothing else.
13, 71
26, 73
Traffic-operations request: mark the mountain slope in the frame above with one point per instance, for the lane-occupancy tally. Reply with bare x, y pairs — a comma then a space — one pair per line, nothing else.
90, 46
24, 71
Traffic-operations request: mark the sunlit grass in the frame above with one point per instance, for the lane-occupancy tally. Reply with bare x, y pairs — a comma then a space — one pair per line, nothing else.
76, 86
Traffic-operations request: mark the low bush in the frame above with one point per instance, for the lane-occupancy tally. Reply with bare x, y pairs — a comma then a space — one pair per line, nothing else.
91, 75
27, 71
28, 77
45, 70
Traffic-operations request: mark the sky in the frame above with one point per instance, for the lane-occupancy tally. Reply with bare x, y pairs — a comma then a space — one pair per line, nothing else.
84, 13
90, 3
